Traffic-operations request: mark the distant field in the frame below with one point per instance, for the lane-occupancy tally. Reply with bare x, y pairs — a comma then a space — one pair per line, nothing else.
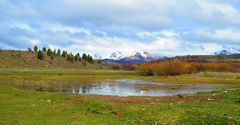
46, 79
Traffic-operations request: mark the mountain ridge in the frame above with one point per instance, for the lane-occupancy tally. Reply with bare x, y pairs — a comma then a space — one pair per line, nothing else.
137, 56
226, 52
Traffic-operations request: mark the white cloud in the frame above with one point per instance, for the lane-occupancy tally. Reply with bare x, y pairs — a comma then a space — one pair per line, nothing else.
35, 42
219, 11
101, 27
221, 35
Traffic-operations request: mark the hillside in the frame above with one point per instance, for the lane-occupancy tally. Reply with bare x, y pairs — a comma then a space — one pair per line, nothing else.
25, 59
232, 59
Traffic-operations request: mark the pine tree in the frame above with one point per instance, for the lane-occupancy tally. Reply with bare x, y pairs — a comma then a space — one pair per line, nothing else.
49, 52
84, 56
59, 52
54, 52
89, 59
70, 57
40, 55
64, 54
44, 49
77, 57
35, 49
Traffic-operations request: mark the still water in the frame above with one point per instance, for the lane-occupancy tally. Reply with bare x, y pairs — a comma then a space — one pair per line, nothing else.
132, 87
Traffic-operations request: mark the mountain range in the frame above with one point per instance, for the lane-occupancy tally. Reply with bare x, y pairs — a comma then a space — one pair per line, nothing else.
226, 52
143, 56
135, 57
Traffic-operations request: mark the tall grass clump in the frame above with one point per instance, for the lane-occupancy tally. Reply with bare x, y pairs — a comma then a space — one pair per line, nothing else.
177, 67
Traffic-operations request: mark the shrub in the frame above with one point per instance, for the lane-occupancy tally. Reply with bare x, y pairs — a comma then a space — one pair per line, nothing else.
176, 67
216, 67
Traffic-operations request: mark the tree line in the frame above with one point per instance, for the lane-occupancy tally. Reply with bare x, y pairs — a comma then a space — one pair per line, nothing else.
42, 53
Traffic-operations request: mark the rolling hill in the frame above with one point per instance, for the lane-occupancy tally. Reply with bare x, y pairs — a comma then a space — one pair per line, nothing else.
25, 59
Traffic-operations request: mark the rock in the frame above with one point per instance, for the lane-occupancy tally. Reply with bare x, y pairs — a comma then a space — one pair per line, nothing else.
214, 94
49, 101
180, 96
209, 99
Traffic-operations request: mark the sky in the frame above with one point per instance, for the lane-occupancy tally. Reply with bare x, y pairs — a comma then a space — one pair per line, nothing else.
161, 27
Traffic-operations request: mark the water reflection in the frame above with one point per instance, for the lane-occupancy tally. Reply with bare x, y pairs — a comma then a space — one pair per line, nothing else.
137, 88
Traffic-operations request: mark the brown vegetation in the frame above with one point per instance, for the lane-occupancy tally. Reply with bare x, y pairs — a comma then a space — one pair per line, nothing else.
176, 67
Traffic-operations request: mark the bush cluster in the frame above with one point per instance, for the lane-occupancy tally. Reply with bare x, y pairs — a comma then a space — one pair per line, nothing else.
177, 67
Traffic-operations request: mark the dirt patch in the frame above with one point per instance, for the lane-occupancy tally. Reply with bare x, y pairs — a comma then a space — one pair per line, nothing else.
146, 100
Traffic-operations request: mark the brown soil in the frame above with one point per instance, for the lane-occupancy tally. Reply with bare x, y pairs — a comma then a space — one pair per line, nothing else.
146, 100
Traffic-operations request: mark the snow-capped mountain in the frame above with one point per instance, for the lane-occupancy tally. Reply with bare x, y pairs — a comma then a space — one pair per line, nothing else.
116, 55
96, 56
135, 57
225, 52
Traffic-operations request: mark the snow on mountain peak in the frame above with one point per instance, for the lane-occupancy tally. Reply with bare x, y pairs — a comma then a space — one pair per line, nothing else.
227, 51
136, 56
116, 55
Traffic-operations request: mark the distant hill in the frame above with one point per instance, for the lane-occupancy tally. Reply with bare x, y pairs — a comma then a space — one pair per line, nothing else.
233, 59
25, 59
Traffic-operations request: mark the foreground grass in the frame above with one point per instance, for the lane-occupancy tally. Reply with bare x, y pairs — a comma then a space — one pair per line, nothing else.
43, 108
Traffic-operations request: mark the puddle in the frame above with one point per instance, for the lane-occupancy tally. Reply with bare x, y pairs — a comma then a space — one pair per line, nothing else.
131, 87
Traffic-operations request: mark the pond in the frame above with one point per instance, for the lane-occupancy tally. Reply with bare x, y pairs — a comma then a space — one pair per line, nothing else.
132, 87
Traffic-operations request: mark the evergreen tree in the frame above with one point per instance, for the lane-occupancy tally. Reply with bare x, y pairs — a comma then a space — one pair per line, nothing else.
59, 52
64, 54
89, 59
70, 57
84, 56
54, 52
40, 55
44, 49
35, 49
49, 52
77, 57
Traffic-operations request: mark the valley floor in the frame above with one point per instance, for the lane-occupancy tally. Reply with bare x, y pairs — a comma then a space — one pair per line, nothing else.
27, 106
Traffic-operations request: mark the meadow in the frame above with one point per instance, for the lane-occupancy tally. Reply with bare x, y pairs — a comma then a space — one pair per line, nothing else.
27, 106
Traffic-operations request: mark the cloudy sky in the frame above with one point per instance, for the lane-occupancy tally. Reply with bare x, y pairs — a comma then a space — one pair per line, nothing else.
164, 27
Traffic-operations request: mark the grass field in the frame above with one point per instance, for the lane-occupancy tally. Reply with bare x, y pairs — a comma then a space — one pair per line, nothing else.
20, 106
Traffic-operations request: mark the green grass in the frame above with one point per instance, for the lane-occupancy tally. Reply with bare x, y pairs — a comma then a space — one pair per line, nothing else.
18, 107
42, 108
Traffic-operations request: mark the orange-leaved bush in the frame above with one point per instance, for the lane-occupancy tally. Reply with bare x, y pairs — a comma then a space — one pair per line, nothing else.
177, 67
